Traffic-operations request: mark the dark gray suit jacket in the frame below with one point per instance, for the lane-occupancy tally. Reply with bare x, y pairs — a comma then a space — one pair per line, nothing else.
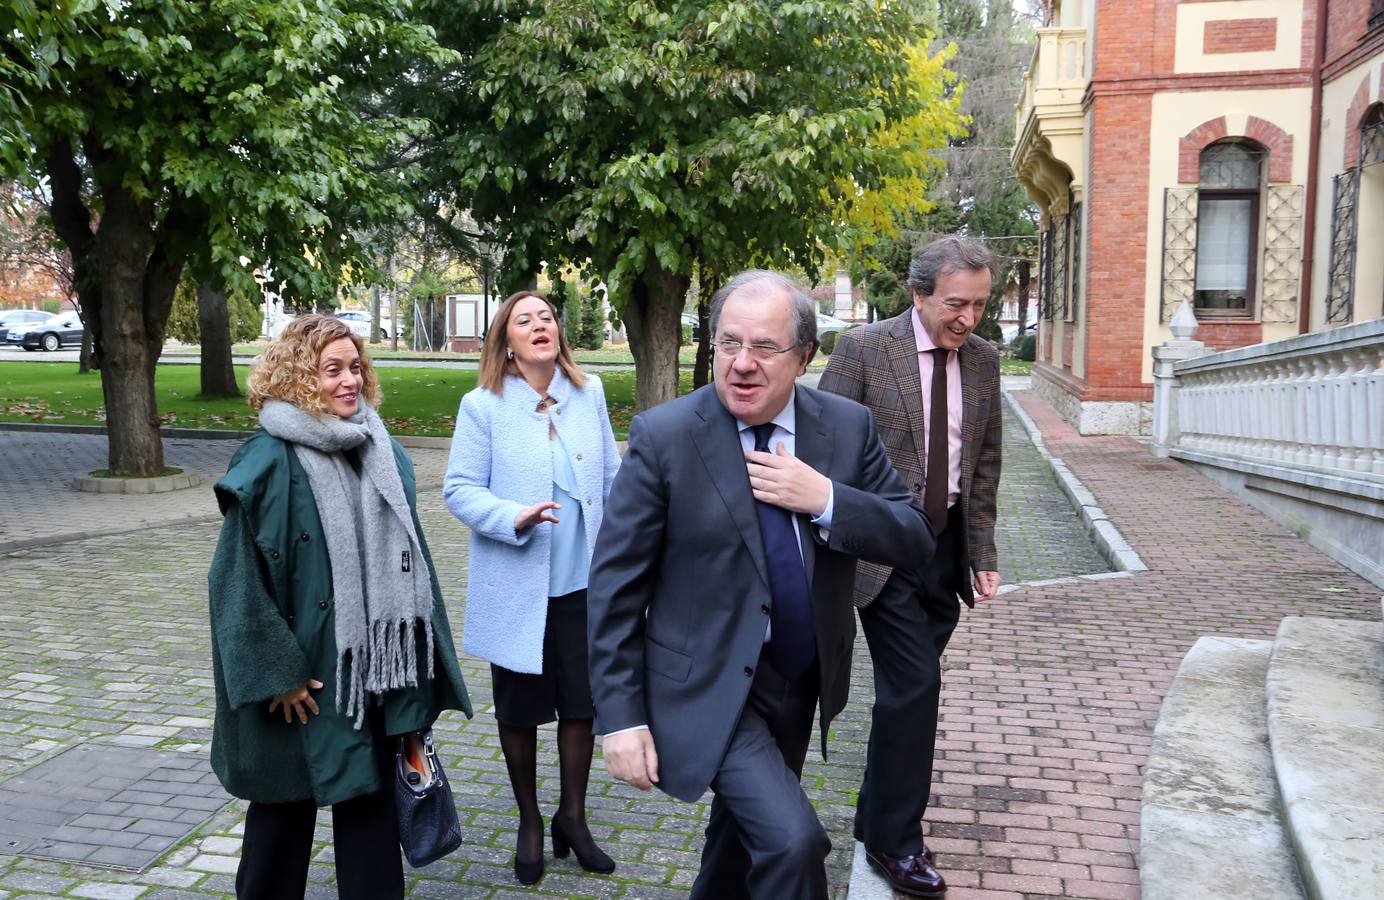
678, 597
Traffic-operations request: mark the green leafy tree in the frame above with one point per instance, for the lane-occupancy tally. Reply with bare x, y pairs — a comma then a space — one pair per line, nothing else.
652, 137
187, 135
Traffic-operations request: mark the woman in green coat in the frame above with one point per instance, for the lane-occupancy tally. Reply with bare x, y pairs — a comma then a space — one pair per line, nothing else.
329, 635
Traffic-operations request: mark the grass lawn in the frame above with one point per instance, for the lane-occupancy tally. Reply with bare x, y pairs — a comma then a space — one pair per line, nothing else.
1015, 366
416, 401
613, 355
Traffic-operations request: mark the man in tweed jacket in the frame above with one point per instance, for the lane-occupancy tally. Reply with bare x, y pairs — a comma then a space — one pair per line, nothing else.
909, 615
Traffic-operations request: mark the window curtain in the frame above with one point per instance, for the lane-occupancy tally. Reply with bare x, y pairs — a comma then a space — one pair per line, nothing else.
1223, 242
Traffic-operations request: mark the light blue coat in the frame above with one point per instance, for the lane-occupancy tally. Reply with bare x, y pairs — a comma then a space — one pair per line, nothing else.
500, 463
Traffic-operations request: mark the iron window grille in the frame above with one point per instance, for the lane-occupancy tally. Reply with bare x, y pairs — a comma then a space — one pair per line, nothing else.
1340, 293
1075, 293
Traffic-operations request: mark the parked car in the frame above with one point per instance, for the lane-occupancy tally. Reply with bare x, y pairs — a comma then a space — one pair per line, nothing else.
691, 321
50, 334
826, 323
17, 318
359, 323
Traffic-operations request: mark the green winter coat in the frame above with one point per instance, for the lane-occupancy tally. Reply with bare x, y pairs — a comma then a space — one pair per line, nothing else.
272, 628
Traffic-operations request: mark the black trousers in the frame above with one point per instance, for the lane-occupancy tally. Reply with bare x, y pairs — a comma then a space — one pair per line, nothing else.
764, 839
369, 864
907, 627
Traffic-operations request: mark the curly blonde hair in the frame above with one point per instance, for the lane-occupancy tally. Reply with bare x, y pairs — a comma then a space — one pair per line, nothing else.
287, 370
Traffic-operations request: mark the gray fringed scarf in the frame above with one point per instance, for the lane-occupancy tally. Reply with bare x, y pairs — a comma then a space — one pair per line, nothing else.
380, 578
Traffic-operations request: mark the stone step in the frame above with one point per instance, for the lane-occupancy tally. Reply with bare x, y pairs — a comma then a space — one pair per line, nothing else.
1210, 821
1326, 730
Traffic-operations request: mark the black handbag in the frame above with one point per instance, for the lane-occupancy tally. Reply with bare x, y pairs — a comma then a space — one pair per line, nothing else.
428, 826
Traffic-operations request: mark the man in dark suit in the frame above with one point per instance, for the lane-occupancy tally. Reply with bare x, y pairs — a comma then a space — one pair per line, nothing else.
923, 373
718, 602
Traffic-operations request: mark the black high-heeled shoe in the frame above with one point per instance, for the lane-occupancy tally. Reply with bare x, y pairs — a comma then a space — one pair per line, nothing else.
529, 871
592, 858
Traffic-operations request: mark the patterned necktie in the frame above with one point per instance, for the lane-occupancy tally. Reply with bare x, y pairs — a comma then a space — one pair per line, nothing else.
792, 638
938, 469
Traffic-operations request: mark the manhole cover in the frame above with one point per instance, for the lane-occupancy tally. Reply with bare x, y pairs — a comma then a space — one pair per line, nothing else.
99, 805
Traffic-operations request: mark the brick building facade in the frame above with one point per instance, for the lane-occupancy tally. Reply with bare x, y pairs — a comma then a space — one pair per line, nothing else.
1226, 153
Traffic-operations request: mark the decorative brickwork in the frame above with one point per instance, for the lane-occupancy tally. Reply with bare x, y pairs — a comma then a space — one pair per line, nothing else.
1278, 142
1354, 115
1191, 145
1239, 36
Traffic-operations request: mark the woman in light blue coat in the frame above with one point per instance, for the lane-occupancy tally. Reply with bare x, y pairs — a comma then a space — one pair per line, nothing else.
532, 459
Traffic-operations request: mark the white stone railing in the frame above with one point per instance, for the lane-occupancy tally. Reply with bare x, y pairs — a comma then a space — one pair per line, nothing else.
1315, 401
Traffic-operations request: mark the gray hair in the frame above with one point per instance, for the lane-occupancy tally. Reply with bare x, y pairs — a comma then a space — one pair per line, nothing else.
804, 309
944, 256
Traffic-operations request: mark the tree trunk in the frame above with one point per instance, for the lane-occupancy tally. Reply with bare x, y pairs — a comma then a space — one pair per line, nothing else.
129, 353
653, 323
393, 307
701, 369
85, 359
214, 321
126, 275
374, 313
1023, 295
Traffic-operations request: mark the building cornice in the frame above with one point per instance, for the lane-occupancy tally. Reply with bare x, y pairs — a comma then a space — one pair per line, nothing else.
1370, 44
1218, 81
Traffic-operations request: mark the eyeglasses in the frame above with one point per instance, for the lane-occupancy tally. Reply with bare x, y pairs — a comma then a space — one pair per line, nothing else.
761, 352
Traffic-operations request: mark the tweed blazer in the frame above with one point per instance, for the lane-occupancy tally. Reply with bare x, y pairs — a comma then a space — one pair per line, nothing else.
501, 462
877, 365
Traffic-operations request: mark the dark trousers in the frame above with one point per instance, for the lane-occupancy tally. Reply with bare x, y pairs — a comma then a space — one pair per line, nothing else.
369, 864
907, 627
764, 839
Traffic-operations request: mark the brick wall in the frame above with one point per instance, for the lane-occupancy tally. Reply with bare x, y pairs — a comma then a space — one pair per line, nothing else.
1239, 35
1229, 335
1117, 204
1345, 26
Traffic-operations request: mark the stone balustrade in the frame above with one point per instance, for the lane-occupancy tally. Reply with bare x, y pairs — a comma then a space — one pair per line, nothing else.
1316, 401
1296, 427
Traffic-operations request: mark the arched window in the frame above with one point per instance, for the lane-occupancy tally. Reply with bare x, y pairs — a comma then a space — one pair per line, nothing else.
1230, 179
1368, 294
1372, 135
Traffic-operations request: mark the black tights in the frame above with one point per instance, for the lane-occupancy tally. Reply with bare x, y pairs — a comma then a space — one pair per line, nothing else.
575, 742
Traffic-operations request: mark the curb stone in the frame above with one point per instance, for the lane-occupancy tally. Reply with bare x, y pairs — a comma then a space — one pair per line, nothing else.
1103, 532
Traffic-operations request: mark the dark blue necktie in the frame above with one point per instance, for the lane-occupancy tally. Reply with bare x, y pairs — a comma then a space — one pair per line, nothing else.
792, 638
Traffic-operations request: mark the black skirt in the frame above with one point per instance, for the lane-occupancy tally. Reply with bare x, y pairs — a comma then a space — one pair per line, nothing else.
563, 689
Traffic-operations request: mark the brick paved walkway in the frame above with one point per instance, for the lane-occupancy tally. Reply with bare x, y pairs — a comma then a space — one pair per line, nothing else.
1050, 697
1051, 693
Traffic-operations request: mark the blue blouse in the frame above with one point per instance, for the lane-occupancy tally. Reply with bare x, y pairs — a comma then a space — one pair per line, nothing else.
567, 566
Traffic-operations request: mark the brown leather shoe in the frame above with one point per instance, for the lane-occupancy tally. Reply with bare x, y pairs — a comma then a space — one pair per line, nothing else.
912, 875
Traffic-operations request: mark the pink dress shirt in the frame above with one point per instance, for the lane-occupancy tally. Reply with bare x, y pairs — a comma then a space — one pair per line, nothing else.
925, 346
